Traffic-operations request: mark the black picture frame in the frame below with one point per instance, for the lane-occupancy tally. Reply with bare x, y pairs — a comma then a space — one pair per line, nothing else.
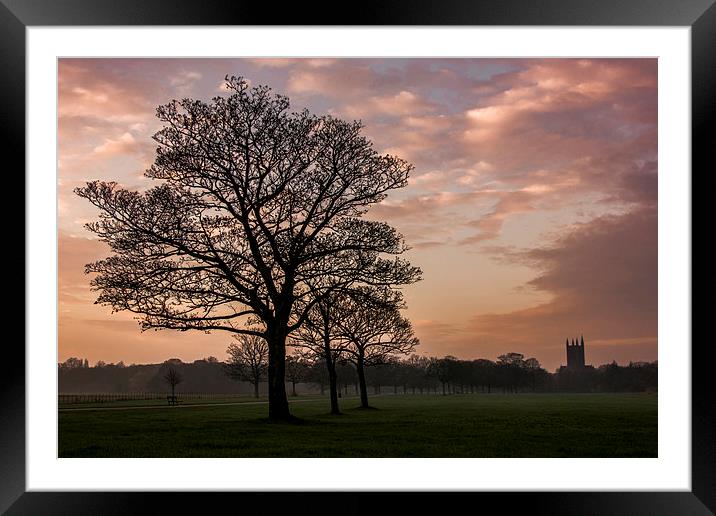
17, 15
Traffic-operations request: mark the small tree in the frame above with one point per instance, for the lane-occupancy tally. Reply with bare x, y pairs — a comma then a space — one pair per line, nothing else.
371, 323
317, 374
320, 338
173, 378
248, 360
296, 371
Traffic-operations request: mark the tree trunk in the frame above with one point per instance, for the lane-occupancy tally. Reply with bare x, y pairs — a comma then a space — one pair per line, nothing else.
333, 385
256, 388
361, 383
278, 402
293, 389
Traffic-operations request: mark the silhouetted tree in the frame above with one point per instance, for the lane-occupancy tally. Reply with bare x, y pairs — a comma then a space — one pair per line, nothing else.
444, 370
535, 374
296, 371
255, 204
318, 374
511, 359
415, 375
203, 376
372, 325
74, 363
248, 360
346, 375
485, 373
173, 378
510, 367
321, 339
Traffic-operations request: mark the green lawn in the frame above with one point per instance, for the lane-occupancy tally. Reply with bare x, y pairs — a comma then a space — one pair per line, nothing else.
493, 425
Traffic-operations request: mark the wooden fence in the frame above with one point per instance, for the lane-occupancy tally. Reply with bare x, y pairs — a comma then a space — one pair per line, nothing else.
73, 399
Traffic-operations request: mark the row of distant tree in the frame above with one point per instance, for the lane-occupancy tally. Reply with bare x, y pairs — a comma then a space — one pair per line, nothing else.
201, 376
511, 372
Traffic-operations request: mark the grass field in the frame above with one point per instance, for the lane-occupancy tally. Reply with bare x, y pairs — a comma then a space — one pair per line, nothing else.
494, 425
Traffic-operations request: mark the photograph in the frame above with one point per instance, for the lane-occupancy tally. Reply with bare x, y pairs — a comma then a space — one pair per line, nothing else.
357, 257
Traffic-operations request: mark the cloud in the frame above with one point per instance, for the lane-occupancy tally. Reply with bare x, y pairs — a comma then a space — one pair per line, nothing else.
272, 62
73, 254
559, 113
402, 104
430, 329
509, 203
350, 79
184, 82
518, 163
602, 277
85, 91
123, 144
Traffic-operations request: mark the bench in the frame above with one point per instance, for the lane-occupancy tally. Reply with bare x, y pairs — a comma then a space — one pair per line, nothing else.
173, 400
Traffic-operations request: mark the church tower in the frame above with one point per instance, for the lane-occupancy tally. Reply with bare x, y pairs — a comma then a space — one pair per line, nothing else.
575, 354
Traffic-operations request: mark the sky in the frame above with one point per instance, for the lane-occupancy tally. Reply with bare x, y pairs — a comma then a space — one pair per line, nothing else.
532, 208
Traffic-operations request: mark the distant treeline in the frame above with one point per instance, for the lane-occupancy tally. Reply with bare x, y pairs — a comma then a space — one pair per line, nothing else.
511, 372
201, 376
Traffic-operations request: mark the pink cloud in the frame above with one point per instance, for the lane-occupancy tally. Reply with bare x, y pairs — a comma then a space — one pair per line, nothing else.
125, 143
85, 93
564, 146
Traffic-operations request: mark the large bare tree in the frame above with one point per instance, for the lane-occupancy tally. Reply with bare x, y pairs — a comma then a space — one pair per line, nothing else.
254, 204
248, 360
376, 331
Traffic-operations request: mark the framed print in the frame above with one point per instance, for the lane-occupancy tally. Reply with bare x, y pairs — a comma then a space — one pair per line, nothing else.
384, 231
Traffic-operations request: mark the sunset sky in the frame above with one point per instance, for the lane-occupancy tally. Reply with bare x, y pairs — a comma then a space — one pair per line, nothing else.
532, 209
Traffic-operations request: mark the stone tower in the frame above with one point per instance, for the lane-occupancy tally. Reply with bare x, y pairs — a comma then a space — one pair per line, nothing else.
575, 354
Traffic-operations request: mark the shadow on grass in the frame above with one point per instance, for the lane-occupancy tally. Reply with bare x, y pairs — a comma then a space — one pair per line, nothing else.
293, 420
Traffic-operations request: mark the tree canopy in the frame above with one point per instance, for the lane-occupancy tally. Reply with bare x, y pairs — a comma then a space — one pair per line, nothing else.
255, 206
374, 329
248, 360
